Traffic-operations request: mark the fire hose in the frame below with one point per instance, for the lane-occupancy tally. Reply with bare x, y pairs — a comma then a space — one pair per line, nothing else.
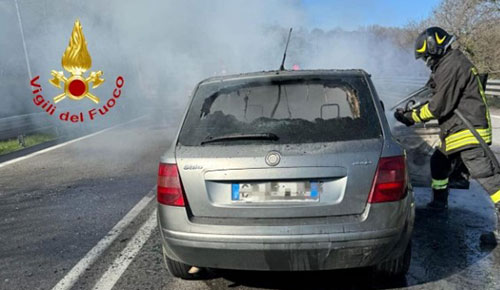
483, 144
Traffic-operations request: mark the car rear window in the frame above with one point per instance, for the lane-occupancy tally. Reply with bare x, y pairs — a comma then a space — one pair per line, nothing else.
295, 111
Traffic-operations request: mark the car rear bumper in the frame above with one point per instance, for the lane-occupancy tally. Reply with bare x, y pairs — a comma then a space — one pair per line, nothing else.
285, 252
266, 254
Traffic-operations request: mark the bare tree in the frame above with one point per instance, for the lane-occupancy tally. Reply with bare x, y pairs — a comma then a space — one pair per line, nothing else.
476, 24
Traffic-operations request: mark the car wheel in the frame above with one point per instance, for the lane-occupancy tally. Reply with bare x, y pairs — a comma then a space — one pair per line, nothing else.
180, 270
397, 267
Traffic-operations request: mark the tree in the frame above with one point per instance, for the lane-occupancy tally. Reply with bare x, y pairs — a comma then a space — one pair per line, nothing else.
476, 25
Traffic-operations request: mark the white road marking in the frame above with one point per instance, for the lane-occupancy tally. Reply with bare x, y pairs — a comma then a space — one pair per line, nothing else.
65, 143
76, 272
495, 116
121, 263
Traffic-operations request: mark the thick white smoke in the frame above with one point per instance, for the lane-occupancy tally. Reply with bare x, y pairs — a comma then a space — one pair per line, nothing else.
163, 48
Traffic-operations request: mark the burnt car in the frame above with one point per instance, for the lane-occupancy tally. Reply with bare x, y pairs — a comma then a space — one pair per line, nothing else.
288, 171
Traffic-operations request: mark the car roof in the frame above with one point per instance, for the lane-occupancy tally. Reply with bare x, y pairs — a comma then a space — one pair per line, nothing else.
289, 73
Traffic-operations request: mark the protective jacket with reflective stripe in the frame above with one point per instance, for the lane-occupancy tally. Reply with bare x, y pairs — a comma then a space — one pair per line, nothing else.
455, 84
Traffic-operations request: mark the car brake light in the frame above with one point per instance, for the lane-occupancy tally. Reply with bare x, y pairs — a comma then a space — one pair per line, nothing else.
389, 183
169, 190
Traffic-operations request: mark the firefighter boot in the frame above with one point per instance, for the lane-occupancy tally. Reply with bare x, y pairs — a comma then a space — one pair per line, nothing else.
492, 238
439, 199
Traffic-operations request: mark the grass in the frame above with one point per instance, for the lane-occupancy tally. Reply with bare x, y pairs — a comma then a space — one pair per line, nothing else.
12, 145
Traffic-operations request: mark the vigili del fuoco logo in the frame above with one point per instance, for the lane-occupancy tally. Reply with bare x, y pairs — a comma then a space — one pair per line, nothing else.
76, 87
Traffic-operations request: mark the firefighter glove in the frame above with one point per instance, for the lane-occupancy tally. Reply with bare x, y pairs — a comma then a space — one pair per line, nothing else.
404, 117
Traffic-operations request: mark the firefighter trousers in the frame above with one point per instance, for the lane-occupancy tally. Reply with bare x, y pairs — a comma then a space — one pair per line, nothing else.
477, 163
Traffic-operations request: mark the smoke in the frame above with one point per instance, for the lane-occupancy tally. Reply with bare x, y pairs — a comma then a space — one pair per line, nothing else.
163, 48
179, 43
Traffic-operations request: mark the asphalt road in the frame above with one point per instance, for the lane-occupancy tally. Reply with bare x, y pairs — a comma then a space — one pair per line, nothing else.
57, 208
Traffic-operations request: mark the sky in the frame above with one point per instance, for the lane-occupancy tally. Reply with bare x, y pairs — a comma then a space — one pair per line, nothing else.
351, 14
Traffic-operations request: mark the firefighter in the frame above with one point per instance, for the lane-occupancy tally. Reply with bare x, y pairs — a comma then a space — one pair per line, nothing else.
455, 84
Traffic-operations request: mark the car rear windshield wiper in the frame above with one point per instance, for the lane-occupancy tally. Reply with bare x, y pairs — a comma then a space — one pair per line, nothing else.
254, 136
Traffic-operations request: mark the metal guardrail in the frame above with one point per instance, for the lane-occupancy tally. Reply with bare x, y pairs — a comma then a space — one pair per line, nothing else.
493, 88
21, 125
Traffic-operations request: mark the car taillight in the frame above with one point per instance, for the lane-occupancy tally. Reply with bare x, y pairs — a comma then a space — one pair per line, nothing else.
389, 183
169, 190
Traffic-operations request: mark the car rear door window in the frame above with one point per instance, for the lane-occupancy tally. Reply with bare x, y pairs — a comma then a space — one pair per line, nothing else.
296, 111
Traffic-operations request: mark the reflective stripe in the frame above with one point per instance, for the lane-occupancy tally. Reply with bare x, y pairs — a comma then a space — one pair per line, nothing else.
465, 138
486, 138
483, 95
495, 197
465, 142
425, 113
423, 48
439, 183
422, 115
469, 140
414, 116
467, 133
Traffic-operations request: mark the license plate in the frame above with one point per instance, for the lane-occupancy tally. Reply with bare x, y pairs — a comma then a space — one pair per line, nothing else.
293, 191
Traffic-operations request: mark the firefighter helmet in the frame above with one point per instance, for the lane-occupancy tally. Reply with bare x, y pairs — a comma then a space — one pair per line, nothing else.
433, 42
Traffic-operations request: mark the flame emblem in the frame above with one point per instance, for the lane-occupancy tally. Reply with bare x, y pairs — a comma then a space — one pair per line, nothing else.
76, 60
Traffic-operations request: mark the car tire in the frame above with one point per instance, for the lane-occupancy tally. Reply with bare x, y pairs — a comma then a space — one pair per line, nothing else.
178, 269
396, 268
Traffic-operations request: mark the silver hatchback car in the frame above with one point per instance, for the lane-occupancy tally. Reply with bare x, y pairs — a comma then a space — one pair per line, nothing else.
285, 170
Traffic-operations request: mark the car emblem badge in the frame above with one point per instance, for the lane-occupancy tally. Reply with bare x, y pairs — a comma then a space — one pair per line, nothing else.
273, 158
